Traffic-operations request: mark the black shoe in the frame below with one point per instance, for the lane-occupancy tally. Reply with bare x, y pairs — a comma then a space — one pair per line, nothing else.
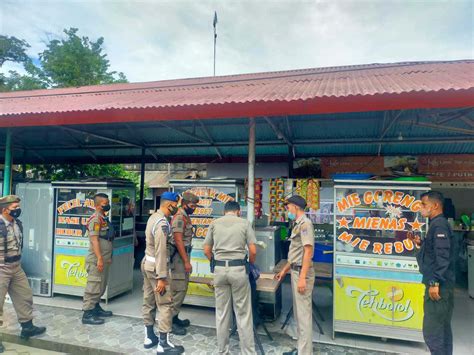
292, 352
99, 312
151, 340
184, 323
177, 330
90, 318
166, 347
29, 330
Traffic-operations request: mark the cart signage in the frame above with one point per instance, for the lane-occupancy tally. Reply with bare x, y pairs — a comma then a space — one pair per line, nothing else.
379, 302
364, 216
70, 270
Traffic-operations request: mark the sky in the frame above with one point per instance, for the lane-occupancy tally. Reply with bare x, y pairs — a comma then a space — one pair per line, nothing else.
158, 40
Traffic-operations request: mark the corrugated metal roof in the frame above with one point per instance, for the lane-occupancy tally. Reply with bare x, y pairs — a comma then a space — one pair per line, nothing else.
308, 91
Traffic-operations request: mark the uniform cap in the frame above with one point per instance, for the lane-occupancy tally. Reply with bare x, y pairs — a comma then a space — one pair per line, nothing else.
9, 199
170, 196
298, 201
190, 197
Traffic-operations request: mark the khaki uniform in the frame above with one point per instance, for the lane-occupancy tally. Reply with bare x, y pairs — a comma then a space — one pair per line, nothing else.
302, 234
99, 226
181, 223
229, 236
155, 266
13, 279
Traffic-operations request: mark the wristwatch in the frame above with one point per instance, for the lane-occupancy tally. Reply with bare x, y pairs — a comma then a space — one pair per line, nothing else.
434, 284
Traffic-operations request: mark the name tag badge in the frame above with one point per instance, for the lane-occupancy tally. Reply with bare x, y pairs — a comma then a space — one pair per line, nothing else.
441, 235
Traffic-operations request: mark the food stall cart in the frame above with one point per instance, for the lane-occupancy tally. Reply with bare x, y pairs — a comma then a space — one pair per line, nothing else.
213, 195
377, 284
74, 204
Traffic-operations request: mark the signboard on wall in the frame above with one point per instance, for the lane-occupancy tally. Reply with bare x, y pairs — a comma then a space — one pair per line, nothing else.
456, 167
360, 164
70, 270
379, 302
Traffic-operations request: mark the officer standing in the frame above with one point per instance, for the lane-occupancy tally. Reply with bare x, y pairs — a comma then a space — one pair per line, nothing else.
12, 277
101, 236
157, 282
183, 232
229, 237
300, 261
436, 263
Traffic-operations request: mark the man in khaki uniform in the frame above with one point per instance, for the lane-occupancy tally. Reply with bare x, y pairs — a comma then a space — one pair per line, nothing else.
12, 277
156, 277
229, 237
183, 232
101, 237
300, 261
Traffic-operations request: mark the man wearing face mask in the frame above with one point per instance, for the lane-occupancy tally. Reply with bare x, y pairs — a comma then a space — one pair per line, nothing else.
157, 281
436, 261
183, 232
12, 277
300, 261
101, 237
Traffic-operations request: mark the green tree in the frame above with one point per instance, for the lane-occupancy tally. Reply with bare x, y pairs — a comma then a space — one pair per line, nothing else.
13, 49
77, 61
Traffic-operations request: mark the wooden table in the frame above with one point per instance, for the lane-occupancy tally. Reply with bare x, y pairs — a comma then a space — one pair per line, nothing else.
266, 282
322, 270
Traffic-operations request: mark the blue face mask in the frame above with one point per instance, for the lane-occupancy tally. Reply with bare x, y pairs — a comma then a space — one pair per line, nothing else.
291, 216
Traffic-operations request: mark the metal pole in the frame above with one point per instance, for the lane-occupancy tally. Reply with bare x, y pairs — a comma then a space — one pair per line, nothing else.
7, 172
251, 174
215, 40
142, 181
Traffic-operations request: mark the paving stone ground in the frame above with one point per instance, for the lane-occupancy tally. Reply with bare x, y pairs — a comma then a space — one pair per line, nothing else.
124, 335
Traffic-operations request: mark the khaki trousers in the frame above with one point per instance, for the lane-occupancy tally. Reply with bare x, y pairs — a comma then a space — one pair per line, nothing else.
97, 281
13, 281
302, 310
232, 291
179, 287
153, 300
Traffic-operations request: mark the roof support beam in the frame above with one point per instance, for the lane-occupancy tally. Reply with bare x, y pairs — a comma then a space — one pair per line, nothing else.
189, 134
99, 136
79, 144
390, 124
439, 127
208, 135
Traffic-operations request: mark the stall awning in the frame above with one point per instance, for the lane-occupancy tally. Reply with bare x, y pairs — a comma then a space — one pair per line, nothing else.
360, 88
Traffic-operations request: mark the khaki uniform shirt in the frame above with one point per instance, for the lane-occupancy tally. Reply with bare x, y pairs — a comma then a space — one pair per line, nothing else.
229, 236
158, 236
98, 226
13, 240
301, 235
181, 223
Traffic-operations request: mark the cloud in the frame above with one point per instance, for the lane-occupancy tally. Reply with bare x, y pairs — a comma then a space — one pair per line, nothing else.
156, 40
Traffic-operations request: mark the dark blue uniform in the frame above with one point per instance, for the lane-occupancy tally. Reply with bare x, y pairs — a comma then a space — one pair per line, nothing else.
436, 262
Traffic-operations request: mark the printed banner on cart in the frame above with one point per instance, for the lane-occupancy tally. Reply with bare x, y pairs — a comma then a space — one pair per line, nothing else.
70, 270
392, 303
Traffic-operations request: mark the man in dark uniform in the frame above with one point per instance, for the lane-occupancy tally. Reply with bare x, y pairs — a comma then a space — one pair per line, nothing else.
183, 232
101, 236
436, 263
12, 277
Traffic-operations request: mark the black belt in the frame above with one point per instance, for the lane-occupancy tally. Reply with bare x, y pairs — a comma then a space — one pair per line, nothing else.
109, 239
295, 267
12, 259
231, 262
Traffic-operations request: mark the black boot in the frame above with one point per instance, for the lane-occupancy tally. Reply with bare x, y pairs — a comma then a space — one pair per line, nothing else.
151, 340
183, 323
90, 318
99, 312
292, 352
177, 330
29, 330
166, 347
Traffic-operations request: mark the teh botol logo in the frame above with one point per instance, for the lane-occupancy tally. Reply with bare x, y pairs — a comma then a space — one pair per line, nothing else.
390, 306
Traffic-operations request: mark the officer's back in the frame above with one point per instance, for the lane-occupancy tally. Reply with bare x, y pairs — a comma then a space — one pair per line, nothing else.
231, 236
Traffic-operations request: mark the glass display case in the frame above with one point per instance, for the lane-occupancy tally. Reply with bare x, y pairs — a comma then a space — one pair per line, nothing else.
377, 284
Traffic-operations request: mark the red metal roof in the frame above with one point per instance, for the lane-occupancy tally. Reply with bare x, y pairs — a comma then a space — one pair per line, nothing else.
309, 91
